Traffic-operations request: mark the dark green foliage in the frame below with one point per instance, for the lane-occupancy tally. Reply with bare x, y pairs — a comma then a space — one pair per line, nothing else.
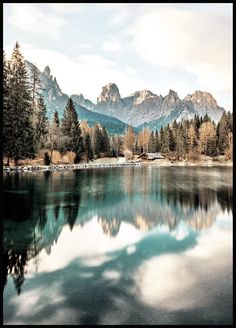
101, 142
165, 143
105, 143
71, 132
157, 141
46, 159
54, 136
224, 126
18, 133
206, 118
40, 124
152, 143
88, 147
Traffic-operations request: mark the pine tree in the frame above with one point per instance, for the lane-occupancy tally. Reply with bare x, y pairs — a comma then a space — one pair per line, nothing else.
151, 143
157, 142
18, 137
71, 132
7, 122
96, 140
165, 146
105, 144
36, 86
40, 124
223, 128
54, 141
88, 147
161, 139
180, 141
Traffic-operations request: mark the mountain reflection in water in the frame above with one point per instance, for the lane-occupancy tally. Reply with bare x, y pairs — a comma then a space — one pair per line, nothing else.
93, 214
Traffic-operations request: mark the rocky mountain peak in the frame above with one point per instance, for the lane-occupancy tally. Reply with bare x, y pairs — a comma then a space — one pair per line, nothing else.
171, 99
203, 98
110, 94
173, 95
141, 96
47, 71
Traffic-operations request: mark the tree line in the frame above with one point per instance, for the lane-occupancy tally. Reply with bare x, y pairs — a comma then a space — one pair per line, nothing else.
27, 130
186, 138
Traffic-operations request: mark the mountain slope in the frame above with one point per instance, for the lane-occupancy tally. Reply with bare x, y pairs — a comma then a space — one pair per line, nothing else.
55, 99
144, 107
140, 109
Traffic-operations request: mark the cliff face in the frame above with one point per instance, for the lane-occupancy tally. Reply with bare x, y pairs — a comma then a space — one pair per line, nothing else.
141, 108
144, 107
205, 103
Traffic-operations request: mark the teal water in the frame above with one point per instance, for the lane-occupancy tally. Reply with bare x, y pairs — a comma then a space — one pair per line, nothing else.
135, 245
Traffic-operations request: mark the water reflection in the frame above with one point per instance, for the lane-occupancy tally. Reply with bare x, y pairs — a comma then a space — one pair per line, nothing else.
107, 222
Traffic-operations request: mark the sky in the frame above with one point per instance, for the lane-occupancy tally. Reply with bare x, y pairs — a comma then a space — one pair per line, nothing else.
157, 47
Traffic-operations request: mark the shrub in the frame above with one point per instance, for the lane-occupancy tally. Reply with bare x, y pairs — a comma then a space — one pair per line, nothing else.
128, 154
46, 159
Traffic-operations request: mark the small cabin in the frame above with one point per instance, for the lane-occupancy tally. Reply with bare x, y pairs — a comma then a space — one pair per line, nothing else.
150, 156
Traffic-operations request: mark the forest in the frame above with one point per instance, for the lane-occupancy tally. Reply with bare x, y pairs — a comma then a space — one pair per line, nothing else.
27, 130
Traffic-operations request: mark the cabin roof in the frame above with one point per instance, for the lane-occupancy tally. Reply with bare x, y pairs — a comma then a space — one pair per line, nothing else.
151, 155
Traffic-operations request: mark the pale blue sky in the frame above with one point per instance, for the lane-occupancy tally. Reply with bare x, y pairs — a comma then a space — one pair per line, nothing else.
185, 47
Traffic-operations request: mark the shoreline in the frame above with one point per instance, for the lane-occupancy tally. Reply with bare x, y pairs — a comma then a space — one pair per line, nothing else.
62, 167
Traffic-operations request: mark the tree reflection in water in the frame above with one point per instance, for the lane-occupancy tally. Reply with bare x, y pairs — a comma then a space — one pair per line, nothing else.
37, 206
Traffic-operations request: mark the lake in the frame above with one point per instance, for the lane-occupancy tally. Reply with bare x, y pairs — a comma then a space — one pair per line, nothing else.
134, 245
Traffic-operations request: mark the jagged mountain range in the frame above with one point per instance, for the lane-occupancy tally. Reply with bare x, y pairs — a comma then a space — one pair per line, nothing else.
140, 109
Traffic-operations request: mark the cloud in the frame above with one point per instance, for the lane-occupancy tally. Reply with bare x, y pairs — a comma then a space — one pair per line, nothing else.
91, 251
111, 46
178, 281
84, 74
34, 20
196, 41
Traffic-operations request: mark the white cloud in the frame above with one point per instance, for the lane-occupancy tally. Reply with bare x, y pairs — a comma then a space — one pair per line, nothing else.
84, 74
65, 8
169, 281
111, 46
198, 42
32, 19
91, 251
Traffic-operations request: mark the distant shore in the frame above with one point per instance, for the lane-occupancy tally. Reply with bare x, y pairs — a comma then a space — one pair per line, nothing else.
157, 163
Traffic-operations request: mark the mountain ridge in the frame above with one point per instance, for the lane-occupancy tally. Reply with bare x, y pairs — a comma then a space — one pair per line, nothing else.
142, 108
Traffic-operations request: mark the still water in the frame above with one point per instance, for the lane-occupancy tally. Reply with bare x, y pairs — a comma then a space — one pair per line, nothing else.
140, 245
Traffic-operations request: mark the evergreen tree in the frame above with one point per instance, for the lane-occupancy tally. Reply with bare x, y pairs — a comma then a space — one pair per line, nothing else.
172, 139
165, 145
36, 86
40, 124
157, 142
151, 143
180, 141
96, 140
71, 132
161, 139
54, 136
88, 147
196, 125
18, 137
7, 119
173, 135
223, 128
105, 144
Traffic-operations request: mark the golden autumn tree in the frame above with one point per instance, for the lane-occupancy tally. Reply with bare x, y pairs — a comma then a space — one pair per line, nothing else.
207, 139
129, 138
143, 139
191, 137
